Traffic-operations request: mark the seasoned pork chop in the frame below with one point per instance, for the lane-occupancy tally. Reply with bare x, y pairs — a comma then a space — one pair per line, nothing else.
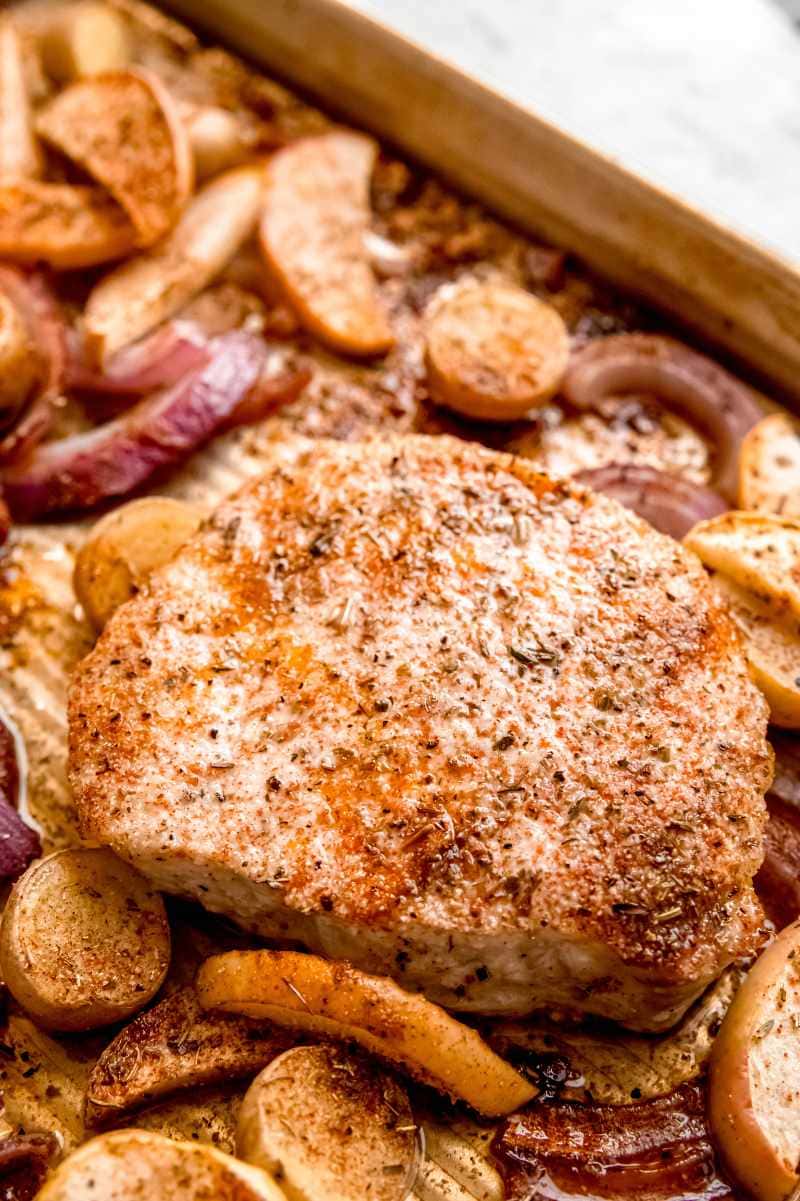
419, 707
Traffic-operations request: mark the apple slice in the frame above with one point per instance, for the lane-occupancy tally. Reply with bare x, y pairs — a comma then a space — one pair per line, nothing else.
773, 651
62, 225
754, 1094
306, 992
20, 156
758, 551
331, 1126
80, 39
130, 1165
769, 467
154, 285
493, 351
124, 129
316, 212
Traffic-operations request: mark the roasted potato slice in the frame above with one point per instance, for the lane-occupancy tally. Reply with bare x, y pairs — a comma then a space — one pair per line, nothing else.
80, 39
20, 156
493, 351
773, 651
124, 547
134, 1165
306, 992
177, 1045
758, 551
769, 467
21, 365
315, 214
153, 286
84, 940
754, 1094
63, 225
124, 129
217, 138
330, 1126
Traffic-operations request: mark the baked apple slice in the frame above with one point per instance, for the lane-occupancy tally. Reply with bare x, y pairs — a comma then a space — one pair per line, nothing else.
124, 129
769, 467
306, 992
758, 551
20, 156
63, 225
316, 212
754, 1095
153, 286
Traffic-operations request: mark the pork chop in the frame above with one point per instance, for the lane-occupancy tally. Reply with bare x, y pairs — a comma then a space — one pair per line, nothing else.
419, 707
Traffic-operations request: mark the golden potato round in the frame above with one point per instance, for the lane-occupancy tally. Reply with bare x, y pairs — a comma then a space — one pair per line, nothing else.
493, 351
20, 365
124, 547
84, 940
330, 1126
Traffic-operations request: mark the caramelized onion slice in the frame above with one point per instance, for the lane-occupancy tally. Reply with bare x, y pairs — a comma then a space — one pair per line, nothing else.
654, 1149
722, 406
157, 360
234, 385
671, 503
19, 844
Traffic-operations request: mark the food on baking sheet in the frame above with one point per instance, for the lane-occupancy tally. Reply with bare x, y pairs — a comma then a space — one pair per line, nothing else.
155, 285
493, 352
124, 130
315, 215
307, 993
84, 940
769, 468
123, 549
467, 664
331, 1126
130, 1165
474, 735
754, 1093
177, 1045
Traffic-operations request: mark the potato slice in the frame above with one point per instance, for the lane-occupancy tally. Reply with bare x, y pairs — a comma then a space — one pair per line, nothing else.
493, 351
20, 156
330, 1126
217, 139
21, 365
124, 129
124, 547
62, 225
77, 40
773, 651
754, 1094
758, 551
177, 1045
153, 286
315, 215
769, 467
309, 993
131, 1165
84, 940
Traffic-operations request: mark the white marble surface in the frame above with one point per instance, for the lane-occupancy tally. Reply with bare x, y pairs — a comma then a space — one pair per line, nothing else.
700, 96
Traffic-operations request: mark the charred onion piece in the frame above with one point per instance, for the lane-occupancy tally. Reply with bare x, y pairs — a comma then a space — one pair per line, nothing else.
669, 502
24, 1161
234, 385
723, 407
19, 844
160, 359
653, 1149
34, 302
778, 880
786, 784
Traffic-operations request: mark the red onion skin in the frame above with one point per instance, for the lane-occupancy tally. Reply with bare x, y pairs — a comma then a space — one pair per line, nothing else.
19, 844
668, 502
723, 407
34, 299
158, 433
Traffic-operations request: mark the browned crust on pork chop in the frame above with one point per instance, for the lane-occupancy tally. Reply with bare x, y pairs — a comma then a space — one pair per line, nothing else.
420, 706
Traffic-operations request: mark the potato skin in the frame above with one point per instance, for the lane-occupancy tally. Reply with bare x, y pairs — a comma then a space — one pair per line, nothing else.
84, 940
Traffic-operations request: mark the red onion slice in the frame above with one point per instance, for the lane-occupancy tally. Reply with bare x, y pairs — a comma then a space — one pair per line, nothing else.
160, 359
24, 1160
19, 844
669, 502
778, 880
157, 433
34, 300
654, 1149
723, 407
